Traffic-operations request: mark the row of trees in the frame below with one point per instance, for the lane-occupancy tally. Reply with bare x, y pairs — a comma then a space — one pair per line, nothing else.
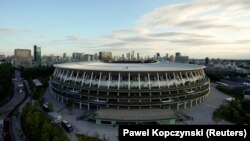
217, 75
234, 92
42, 73
37, 72
6, 72
237, 111
82, 137
38, 127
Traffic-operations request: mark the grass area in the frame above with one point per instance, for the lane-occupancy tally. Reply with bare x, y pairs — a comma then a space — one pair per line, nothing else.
237, 111
231, 92
38, 127
82, 137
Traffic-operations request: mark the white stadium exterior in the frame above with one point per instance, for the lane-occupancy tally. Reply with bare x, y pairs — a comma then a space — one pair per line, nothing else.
98, 85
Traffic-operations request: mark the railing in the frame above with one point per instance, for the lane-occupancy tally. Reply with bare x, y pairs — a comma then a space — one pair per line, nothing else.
152, 96
143, 88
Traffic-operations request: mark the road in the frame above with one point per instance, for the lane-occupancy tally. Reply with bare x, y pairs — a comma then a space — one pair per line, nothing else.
202, 114
17, 97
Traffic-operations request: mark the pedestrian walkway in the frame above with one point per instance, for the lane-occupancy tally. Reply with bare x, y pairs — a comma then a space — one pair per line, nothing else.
81, 126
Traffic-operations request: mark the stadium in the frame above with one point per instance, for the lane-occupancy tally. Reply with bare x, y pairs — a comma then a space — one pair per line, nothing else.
147, 92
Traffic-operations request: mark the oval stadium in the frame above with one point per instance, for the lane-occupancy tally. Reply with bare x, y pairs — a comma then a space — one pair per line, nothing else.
147, 92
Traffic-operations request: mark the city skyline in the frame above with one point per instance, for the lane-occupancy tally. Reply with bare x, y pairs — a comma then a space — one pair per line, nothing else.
199, 29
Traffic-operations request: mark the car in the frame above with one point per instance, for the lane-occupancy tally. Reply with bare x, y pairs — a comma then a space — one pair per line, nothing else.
67, 126
45, 107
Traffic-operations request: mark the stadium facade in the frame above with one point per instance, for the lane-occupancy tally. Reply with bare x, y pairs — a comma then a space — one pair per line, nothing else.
98, 85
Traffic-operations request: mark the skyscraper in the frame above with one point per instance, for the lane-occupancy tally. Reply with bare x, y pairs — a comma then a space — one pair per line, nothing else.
207, 61
171, 58
128, 56
133, 55
157, 56
177, 54
37, 54
64, 55
78, 56
138, 56
166, 56
105, 56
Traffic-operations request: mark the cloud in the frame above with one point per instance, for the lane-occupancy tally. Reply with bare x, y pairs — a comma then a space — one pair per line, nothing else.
115, 44
123, 33
75, 38
198, 28
199, 14
178, 34
219, 27
16, 31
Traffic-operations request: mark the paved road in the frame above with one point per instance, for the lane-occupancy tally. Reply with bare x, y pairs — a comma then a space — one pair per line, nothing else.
17, 97
202, 114
83, 127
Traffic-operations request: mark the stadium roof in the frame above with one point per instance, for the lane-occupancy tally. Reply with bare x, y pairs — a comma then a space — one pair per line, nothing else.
135, 114
129, 67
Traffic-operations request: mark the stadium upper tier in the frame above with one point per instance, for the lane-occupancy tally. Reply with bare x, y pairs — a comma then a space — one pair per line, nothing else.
129, 67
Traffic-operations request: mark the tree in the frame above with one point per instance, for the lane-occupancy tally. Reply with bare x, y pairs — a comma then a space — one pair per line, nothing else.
36, 126
69, 104
50, 107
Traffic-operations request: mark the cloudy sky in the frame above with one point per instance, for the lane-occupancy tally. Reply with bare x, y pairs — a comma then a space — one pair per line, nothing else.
199, 29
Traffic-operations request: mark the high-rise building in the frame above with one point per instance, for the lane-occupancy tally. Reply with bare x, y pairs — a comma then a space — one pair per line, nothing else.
138, 56
177, 54
133, 55
88, 57
2, 56
128, 56
171, 58
23, 57
37, 54
166, 56
123, 58
157, 56
77, 56
64, 55
105, 56
181, 59
96, 57
207, 61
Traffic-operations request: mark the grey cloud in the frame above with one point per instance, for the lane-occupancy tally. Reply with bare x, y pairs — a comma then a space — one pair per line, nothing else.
192, 42
141, 39
242, 42
173, 34
204, 24
16, 31
199, 14
115, 44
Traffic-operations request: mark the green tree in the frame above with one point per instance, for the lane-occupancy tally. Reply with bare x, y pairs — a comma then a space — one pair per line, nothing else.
50, 107
37, 126
69, 104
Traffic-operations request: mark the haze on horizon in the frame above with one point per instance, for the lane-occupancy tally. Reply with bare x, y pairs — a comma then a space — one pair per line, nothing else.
196, 28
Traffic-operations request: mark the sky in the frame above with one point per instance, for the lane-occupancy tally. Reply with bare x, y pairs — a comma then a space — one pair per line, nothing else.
196, 28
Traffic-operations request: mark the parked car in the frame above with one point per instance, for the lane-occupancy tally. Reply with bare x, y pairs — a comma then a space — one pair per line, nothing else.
67, 126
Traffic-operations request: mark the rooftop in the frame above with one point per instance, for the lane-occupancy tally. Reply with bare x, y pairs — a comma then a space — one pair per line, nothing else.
135, 114
127, 67
37, 82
